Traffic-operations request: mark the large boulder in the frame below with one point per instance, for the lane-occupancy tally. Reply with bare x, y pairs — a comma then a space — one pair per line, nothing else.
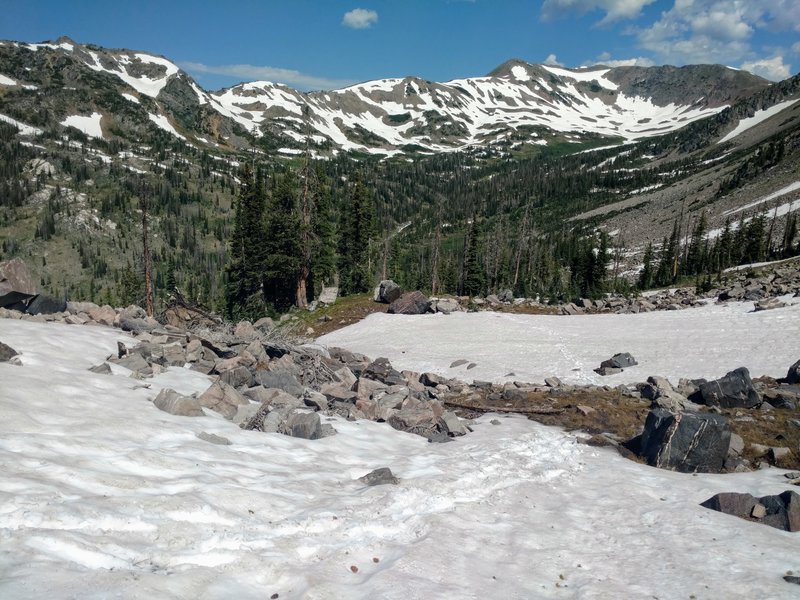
781, 511
387, 291
734, 390
282, 380
621, 360
306, 425
328, 295
689, 442
410, 303
17, 284
7, 352
448, 305
793, 376
223, 398
173, 403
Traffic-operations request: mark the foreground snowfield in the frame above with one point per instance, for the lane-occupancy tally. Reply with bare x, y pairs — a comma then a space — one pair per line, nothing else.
102, 495
702, 342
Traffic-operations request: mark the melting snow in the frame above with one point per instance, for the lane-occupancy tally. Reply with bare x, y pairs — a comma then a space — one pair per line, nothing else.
130, 97
758, 117
520, 73
164, 124
23, 128
104, 495
89, 125
781, 192
4, 80
529, 348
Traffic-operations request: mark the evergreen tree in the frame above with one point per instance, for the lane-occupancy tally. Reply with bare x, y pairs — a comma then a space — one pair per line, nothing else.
695, 255
474, 281
323, 264
246, 252
283, 244
355, 233
646, 275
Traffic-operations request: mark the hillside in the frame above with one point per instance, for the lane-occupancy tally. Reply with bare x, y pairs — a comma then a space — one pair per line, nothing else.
539, 160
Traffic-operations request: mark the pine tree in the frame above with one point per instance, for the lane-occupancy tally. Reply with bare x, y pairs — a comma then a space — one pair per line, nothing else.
646, 275
246, 252
283, 244
356, 231
474, 279
323, 264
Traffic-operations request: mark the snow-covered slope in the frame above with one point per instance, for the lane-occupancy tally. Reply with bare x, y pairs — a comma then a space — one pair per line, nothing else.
103, 495
516, 102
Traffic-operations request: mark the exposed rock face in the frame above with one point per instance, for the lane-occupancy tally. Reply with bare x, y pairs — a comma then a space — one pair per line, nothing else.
686, 442
173, 403
15, 277
734, 390
781, 511
410, 303
387, 291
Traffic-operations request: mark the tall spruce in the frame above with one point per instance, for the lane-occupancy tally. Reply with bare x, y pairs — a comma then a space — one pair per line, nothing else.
355, 234
283, 244
246, 251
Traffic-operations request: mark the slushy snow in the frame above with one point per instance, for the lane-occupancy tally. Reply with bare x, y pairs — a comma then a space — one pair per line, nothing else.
104, 495
90, 125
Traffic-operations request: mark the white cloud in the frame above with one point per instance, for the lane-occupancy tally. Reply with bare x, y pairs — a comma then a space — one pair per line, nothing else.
360, 18
265, 73
615, 10
773, 68
552, 60
714, 31
604, 58
796, 47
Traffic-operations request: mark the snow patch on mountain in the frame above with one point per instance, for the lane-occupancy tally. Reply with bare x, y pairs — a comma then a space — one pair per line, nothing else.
5, 80
149, 86
24, 129
90, 125
130, 97
162, 122
758, 117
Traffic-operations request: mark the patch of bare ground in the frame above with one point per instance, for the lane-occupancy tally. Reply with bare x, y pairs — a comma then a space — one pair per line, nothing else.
600, 412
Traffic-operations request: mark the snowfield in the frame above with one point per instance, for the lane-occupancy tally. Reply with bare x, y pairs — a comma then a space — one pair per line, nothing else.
702, 342
103, 495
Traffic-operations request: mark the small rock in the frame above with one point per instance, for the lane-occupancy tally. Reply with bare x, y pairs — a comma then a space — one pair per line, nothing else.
7, 352
101, 369
759, 511
214, 439
584, 410
173, 403
380, 476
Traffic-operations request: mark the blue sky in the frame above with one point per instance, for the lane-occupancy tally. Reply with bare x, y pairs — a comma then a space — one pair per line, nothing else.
317, 44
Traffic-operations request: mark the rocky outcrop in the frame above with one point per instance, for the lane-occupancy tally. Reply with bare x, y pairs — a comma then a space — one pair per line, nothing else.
781, 511
686, 442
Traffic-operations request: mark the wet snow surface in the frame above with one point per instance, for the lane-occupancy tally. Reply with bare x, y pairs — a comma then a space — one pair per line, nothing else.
102, 495
702, 342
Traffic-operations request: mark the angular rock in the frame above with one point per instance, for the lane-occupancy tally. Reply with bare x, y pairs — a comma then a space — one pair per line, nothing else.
315, 400
264, 324
608, 371
687, 442
305, 425
346, 377
453, 425
173, 403
421, 421
214, 439
621, 360
381, 370
448, 305
237, 377
328, 295
7, 352
273, 397
133, 361
781, 398
734, 390
282, 380
781, 511
387, 291
101, 369
410, 303
380, 476
245, 412
222, 398
793, 376
367, 388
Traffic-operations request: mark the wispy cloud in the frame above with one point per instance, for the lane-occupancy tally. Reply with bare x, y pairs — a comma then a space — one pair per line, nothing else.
616, 10
360, 18
552, 60
773, 68
290, 77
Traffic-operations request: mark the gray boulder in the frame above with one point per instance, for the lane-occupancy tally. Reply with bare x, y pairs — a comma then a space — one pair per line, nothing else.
380, 476
793, 376
688, 442
7, 352
173, 403
306, 425
387, 291
410, 303
328, 295
734, 390
222, 398
621, 360
282, 380
448, 305
274, 397
381, 370
781, 511
101, 369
